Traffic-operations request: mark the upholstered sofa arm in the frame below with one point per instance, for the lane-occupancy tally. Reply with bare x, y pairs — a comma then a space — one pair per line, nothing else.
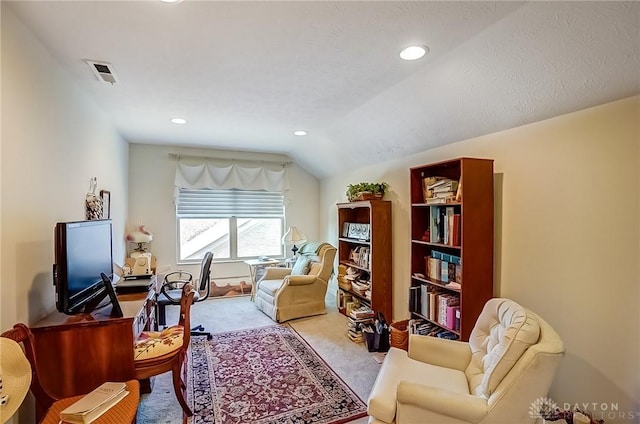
463, 407
441, 352
301, 280
275, 273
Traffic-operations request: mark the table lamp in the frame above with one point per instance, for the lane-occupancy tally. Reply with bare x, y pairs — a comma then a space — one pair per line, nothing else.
140, 236
293, 236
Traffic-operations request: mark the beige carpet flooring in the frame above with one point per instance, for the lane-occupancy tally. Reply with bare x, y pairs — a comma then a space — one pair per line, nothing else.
325, 333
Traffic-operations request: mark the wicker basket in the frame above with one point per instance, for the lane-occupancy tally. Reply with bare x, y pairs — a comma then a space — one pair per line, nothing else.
399, 335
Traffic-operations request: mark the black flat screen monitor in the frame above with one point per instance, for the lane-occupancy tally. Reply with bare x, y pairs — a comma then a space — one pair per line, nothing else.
83, 251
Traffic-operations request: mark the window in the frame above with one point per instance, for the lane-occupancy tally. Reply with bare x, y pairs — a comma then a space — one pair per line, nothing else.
233, 224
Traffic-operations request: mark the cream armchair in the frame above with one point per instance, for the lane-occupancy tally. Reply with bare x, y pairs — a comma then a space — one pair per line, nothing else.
508, 363
283, 296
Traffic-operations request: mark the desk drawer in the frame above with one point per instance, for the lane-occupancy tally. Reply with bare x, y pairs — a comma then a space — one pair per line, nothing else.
145, 319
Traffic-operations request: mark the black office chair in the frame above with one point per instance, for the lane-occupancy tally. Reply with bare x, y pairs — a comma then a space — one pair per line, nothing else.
171, 291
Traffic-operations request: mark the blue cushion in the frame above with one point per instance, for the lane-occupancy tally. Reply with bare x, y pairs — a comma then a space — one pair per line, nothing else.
302, 266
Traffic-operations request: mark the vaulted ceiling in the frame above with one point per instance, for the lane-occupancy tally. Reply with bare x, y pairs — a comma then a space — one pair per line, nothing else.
247, 74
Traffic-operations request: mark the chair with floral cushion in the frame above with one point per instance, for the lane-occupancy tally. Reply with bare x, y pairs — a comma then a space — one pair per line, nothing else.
156, 352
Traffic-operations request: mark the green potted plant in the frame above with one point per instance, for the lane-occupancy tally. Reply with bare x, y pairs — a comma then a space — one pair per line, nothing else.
366, 191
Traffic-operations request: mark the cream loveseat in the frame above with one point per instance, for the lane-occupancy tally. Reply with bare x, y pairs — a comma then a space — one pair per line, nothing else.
507, 365
283, 296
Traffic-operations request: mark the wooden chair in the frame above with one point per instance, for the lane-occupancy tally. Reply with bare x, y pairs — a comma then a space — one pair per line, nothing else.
48, 407
157, 352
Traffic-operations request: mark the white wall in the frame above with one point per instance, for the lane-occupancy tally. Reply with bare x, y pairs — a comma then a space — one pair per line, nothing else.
566, 240
151, 200
53, 141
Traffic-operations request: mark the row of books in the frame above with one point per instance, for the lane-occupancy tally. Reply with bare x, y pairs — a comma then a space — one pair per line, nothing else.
361, 256
438, 306
445, 268
426, 328
444, 226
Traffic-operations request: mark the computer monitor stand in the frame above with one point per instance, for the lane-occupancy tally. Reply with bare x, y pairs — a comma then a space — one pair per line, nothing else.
116, 310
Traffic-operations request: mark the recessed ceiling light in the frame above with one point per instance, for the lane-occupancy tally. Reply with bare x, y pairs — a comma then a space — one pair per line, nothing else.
414, 52
171, 1
179, 121
300, 132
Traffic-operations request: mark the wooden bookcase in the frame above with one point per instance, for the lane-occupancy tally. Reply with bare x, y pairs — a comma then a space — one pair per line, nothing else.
473, 228
376, 213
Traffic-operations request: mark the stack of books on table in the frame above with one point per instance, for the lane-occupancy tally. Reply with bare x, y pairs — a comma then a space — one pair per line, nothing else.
94, 404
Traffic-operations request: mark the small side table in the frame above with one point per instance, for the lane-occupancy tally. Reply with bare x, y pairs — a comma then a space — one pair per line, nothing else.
254, 264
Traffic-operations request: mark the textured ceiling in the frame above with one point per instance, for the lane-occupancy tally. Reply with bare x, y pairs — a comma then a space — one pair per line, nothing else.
247, 74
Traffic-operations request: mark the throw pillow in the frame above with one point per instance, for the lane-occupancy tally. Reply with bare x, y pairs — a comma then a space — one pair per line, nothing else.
302, 266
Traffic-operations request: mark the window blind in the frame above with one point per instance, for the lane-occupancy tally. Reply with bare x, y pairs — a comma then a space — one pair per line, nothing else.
215, 203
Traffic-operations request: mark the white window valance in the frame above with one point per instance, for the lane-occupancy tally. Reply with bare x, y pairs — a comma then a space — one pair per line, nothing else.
229, 175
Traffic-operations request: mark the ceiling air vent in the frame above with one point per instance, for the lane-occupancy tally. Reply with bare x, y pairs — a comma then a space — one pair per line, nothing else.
103, 71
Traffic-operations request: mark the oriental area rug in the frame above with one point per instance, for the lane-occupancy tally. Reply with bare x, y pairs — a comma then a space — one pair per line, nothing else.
265, 375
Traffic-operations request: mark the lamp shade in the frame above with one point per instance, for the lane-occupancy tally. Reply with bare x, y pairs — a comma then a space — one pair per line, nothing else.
293, 236
140, 235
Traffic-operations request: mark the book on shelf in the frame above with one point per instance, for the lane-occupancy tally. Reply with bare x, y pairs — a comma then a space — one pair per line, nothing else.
444, 272
414, 299
453, 235
444, 194
345, 229
449, 211
432, 306
433, 225
440, 200
451, 317
451, 272
443, 183
433, 271
94, 404
424, 303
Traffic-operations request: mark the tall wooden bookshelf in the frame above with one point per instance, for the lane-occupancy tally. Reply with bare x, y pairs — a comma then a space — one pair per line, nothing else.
469, 237
377, 214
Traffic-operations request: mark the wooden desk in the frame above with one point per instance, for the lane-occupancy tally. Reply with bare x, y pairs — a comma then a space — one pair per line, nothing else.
77, 353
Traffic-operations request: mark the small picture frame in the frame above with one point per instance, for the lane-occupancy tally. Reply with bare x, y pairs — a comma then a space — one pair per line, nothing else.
359, 231
106, 204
